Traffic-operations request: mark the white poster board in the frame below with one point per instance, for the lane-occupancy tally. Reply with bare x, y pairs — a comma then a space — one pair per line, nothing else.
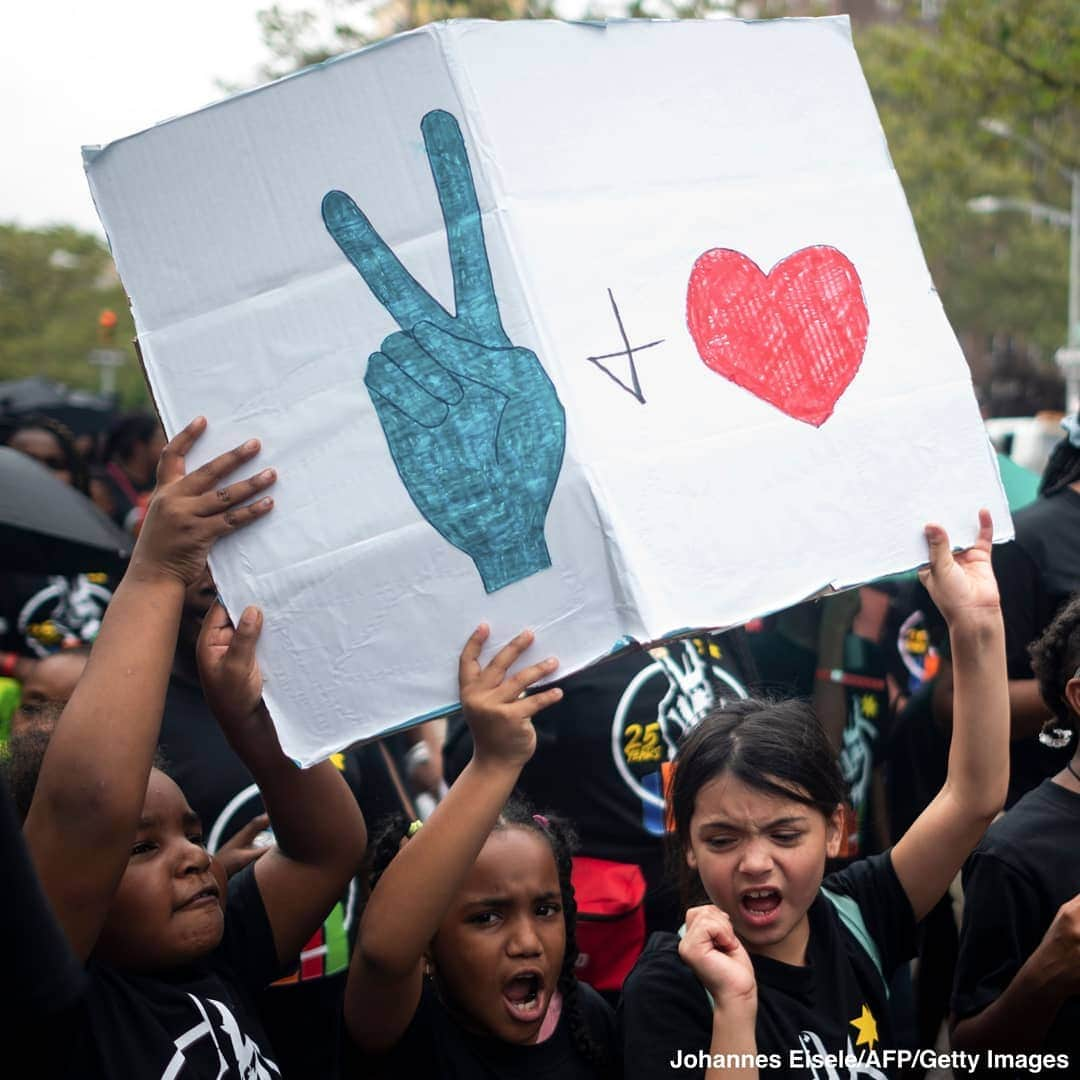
609, 330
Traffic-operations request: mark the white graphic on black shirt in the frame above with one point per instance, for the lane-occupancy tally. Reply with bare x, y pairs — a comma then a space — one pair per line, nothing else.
825, 1066
66, 611
247, 1063
237, 812
693, 682
857, 752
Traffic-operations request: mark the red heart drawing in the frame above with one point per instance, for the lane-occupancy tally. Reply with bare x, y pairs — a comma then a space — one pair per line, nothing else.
794, 337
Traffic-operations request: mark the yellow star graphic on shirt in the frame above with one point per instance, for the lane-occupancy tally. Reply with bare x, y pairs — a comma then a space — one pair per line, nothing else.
866, 1026
869, 706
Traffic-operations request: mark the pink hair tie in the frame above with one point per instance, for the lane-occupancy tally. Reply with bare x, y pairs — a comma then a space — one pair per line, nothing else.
541, 821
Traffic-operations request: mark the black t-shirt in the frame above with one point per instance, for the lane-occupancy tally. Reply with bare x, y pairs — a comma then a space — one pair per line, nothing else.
42, 614
1036, 573
301, 1012
836, 1004
43, 975
198, 1021
918, 760
1023, 870
865, 735
601, 751
436, 1047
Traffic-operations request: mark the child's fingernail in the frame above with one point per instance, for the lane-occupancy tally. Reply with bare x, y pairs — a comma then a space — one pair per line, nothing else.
266, 474
267, 502
248, 617
251, 444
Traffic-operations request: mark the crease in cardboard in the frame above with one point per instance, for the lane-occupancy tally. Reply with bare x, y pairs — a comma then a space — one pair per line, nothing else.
626, 590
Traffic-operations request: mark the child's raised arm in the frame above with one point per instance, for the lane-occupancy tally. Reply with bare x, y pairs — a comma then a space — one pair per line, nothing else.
93, 780
932, 851
318, 828
416, 890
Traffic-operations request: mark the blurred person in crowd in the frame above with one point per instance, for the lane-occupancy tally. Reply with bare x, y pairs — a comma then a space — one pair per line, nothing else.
43, 613
53, 678
51, 444
1037, 573
49, 680
131, 454
1018, 980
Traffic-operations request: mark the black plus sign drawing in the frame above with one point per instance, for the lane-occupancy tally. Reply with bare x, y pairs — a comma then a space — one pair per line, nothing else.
628, 352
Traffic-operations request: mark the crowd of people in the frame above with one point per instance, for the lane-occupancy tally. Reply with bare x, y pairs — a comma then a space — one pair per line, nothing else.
805, 847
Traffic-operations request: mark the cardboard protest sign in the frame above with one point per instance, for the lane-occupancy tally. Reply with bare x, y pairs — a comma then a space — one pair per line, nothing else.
610, 330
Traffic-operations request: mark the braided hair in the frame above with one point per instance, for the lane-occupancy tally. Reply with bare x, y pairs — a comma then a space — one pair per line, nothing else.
518, 814
1055, 658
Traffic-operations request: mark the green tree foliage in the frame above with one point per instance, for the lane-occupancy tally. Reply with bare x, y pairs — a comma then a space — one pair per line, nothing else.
936, 84
297, 38
54, 284
1001, 277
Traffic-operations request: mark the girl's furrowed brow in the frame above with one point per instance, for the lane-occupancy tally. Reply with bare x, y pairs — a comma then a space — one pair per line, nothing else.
721, 823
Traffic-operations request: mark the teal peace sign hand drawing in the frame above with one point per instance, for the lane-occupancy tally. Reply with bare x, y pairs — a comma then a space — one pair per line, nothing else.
473, 422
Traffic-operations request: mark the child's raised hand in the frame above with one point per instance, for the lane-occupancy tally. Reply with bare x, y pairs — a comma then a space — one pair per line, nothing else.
1060, 946
243, 847
961, 584
496, 709
717, 957
189, 512
228, 670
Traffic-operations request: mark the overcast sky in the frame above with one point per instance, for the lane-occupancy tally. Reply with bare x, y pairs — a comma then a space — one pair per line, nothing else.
76, 72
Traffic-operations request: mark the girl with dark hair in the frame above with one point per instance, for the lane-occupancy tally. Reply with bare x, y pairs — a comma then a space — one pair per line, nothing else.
778, 969
1018, 980
464, 964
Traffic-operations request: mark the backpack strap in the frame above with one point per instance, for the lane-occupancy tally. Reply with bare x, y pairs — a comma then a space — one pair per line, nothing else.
850, 915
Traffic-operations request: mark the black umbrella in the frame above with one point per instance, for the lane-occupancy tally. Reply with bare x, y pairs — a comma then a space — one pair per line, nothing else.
84, 413
47, 527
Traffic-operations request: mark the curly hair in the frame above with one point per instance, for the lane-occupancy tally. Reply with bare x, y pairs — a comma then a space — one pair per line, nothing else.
1055, 658
518, 814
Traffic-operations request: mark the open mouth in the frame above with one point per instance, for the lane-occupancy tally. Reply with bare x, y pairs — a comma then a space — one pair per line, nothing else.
525, 997
760, 906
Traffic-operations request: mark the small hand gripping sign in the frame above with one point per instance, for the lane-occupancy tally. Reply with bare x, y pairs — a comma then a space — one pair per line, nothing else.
794, 337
